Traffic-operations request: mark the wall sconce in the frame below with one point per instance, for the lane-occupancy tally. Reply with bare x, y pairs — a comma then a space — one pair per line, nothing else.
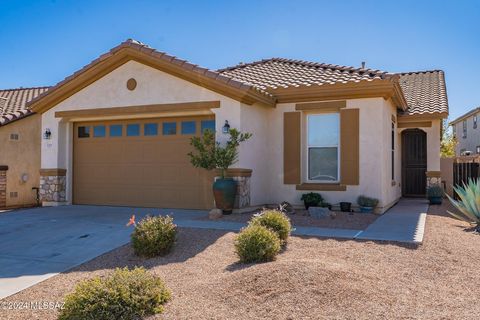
226, 127
47, 134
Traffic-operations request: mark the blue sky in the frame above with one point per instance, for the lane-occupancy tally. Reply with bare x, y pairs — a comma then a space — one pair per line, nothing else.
42, 42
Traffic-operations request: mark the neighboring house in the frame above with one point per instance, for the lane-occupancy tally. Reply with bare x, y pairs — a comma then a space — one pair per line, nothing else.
467, 132
19, 147
117, 131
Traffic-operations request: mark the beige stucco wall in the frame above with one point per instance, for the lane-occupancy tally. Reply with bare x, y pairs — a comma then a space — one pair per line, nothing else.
375, 117
22, 156
253, 153
446, 166
153, 87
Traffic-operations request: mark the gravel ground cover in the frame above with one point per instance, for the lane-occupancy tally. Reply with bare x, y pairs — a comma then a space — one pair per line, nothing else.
338, 219
312, 279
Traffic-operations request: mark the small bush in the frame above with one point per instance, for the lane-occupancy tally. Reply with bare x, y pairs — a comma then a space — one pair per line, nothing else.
126, 294
154, 236
276, 221
256, 243
364, 201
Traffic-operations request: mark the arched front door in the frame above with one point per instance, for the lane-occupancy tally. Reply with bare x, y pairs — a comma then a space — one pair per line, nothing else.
414, 163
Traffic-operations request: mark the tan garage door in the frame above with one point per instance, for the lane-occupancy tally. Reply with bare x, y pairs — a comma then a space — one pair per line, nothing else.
140, 163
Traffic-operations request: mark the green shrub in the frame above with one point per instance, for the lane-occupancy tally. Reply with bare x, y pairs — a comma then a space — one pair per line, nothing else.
469, 203
276, 221
256, 243
126, 294
311, 199
154, 236
364, 201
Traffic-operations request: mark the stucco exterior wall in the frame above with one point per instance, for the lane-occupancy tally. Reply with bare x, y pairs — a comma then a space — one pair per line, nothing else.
153, 87
253, 153
22, 157
391, 188
375, 119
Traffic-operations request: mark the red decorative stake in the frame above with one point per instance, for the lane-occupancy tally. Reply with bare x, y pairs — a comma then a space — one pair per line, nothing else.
131, 221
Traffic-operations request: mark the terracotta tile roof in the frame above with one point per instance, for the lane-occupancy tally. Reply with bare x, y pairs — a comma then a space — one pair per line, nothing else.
425, 92
276, 73
185, 65
13, 103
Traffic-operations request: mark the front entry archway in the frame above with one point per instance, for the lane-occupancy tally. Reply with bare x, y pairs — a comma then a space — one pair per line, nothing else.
414, 163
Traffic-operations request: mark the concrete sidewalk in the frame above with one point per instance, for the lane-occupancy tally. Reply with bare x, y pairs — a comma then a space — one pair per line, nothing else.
405, 222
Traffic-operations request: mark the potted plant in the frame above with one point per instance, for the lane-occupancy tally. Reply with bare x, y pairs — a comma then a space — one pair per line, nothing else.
346, 206
312, 199
435, 194
367, 204
209, 154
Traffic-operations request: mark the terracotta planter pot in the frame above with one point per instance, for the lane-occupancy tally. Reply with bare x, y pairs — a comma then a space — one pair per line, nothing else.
224, 193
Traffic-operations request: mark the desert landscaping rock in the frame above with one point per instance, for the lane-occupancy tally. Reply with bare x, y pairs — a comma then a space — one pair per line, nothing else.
318, 212
215, 214
313, 279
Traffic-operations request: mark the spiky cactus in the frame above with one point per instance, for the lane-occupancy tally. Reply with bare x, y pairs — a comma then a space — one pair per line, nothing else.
469, 203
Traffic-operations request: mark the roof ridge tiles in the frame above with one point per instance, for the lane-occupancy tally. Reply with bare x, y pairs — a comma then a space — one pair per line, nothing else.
24, 88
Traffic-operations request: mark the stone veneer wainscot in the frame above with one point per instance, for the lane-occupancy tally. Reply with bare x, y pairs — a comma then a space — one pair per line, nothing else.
53, 185
3, 186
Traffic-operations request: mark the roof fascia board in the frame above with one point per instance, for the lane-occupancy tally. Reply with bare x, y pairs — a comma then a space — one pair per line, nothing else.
424, 117
343, 91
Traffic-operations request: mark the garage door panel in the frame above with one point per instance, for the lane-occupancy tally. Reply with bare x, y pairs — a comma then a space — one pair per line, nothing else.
151, 171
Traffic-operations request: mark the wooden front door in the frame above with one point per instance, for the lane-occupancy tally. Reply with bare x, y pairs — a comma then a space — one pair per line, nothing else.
414, 163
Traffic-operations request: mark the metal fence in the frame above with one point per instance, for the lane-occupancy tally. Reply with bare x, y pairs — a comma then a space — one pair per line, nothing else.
464, 169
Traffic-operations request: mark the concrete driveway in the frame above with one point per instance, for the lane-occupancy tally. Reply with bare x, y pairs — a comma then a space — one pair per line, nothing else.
38, 243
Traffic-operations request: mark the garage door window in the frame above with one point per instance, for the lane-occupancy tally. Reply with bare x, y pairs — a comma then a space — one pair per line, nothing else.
116, 130
150, 129
133, 130
169, 128
188, 127
208, 125
99, 131
84, 132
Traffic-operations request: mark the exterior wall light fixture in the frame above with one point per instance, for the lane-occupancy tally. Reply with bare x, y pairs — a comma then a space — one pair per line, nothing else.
226, 127
47, 134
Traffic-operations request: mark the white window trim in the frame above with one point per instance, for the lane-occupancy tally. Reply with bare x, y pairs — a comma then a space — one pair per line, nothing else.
306, 147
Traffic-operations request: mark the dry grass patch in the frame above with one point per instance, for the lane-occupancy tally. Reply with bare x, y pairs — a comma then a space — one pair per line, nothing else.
313, 278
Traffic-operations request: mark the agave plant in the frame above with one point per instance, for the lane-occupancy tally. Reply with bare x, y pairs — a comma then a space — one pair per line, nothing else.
469, 203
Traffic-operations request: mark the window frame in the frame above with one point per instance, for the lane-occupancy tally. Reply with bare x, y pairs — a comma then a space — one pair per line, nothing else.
464, 128
475, 120
307, 149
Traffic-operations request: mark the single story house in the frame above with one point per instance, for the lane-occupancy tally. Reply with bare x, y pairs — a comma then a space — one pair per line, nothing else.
117, 132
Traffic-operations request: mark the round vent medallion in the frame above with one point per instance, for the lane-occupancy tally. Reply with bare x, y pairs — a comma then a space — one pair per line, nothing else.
131, 84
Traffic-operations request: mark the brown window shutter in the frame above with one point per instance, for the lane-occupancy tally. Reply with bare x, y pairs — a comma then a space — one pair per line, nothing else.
349, 146
291, 147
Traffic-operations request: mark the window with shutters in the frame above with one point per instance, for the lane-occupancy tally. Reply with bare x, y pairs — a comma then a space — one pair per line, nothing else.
323, 132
